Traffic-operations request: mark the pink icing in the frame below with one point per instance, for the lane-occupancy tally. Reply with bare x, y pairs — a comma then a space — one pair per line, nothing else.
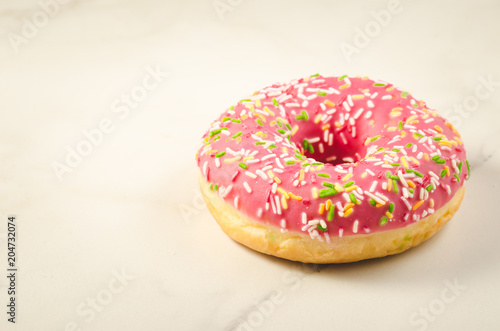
362, 130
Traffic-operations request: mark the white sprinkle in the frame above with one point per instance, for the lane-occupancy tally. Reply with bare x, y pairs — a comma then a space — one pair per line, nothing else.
346, 196
321, 148
414, 148
327, 237
313, 140
454, 164
448, 189
343, 138
331, 158
387, 97
370, 104
332, 90
261, 174
267, 157
434, 175
250, 174
305, 103
205, 166
274, 188
405, 192
353, 131
374, 95
346, 106
330, 139
402, 179
381, 196
304, 218
279, 163
368, 114
247, 187
374, 185
259, 212
355, 226
406, 203
217, 162
374, 197
236, 202
370, 172
358, 113
311, 97
283, 223
384, 186
273, 205
341, 232
419, 155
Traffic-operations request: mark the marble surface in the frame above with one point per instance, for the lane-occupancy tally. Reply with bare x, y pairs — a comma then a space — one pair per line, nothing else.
103, 104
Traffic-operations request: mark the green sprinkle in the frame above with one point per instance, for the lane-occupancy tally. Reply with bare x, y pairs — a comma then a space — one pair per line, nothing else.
315, 75
411, 190
395, 185
378, 84
418, 134
243, 165
435, 158
300, 157
321, 93
394, 177
231, 108
437, 139
290, 162
259, 122
458, 178
311, 149
281, 131
279, 124
349, 184
206, 142
288, 126
429, 187
220, 154
441, 161
400, 125
275, 102
388, 174
305, 114
213, 133
317, 163
409, 170
460, 168
216, 187
225, 119
236, 120
328, 184
216, 138
409, 145
331, 211
305, 143
374, 138
342, 77
327, 192
260, 143
396, 150
323, 175
353, 197
404, 94
272, 146
383, 221
299, 117
443, 173
373, 202
304, 164
237, 135
321, 228
391, 208
418, 173
468, 167
395, 164
243, 100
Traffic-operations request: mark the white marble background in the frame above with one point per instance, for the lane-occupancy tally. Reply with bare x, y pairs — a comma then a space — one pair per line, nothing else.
102, 104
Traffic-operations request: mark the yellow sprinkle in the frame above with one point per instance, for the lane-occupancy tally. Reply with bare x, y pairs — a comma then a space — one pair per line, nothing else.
281, 119
338, 187
415, 122
284, 149
348, 212
403, 134
282, 191
431, 203
234, 159
346, 177
210, 151
438, 128
348, 206
295, 197
337, 124
295, 129
392, 128
301, 176
314, 192
328, 204
397, 109
390, 88
244, 117
257, 103
410, 183
321, 208
367, 141
277, 179
317, 118
447, 170
260, 116
453, 129
284, 204
329, 103
445, 143
269, 111
351, 188
426, 156
458, 139
248, 158
403, 160
272, 123
239, 140
395, 114
344, 86
318, 168
270, 173
389, 184
418, 204
411, 118
389, 215
364, 174
358, 96
325, 127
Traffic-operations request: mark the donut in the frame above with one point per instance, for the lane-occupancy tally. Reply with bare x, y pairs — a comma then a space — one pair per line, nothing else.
331, 170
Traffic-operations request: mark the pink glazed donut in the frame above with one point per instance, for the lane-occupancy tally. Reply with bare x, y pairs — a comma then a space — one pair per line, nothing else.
332, 170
